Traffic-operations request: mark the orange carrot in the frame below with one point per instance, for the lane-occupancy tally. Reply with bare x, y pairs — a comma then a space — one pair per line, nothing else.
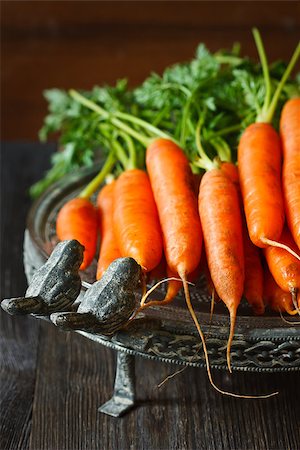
254, 281
173, 188
109, 250
259, 160
275, 297
284, 267
253, 285
222, 230
174, 286
290, 135
78, 219
136, 223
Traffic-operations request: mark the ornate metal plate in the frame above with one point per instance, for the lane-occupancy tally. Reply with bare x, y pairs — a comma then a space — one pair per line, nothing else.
264, 343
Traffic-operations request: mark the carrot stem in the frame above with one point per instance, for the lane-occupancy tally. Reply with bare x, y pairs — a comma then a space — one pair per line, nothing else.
227, 130
131, 149
148, 126
222, 149
98, 180
114, 120
281, 84
120, 153
266, 73
204, 162
269, 106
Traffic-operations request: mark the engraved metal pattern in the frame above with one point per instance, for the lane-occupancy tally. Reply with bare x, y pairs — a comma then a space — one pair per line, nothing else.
260, 343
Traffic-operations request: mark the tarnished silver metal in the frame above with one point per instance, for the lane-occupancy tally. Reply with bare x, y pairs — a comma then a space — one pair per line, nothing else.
124, 391
108, 304
54, 286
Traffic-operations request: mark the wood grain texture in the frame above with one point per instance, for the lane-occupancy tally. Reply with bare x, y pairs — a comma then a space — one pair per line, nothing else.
78, 44
53, 382
18, 336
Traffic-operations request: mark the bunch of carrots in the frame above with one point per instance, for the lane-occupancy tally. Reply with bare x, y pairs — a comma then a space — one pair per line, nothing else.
239, 216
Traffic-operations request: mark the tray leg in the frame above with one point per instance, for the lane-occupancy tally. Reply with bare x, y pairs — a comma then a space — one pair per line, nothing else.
124, 390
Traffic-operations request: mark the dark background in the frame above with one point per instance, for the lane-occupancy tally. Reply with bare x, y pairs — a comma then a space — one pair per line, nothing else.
78, 44
52, 382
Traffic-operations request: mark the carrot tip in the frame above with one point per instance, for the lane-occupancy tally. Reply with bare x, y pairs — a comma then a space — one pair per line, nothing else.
230, 338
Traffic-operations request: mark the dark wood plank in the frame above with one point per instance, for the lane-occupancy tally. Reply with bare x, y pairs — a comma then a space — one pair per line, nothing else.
75, 376
55, 16
20, 165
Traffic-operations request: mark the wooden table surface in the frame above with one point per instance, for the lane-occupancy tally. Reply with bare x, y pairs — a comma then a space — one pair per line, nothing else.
52, 382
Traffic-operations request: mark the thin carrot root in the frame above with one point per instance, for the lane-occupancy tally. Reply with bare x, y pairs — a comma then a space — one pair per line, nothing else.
158, 302
146, 294
171, 376
294, 292
212, 306
194, 317
230, 338
289, 321
280, 245
144, 283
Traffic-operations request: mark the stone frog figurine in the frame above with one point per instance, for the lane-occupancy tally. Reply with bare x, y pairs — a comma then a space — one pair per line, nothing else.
54, 286
108, 303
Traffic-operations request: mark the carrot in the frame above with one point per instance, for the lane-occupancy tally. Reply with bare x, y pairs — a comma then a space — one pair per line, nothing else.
174, 286
172, 183
253, 284
275, 297
284, 267
78, 219
290, 135
254, 281
109, 250
259, 161
173, 188
136, 223
222, 230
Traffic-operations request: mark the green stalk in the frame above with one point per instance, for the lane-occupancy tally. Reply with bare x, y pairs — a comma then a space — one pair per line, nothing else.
222, 149
203, 162
120, 153
98, 180
227, 130
269, 106
184, 120
132, 164
115, 121
291, 65
148, 126
266, 73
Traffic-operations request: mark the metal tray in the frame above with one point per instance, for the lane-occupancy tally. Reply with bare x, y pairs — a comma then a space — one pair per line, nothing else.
265, 343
